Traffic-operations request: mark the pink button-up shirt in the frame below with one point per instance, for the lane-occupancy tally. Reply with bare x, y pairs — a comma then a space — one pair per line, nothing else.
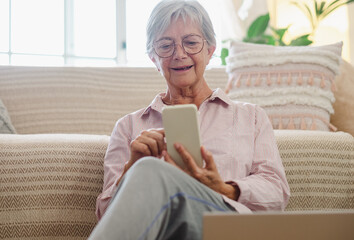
240, 137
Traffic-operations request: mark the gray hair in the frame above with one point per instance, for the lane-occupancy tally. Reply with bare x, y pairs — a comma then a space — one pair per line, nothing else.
168, 11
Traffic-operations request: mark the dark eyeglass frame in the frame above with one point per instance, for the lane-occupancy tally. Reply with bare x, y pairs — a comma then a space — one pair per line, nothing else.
174, 46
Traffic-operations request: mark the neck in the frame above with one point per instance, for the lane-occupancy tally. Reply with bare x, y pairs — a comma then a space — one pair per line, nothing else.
188, 95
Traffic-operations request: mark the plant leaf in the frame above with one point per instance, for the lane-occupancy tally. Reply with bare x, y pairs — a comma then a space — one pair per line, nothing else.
280, 32
258, 26
333, 6
301, 41
320, 10
224, 53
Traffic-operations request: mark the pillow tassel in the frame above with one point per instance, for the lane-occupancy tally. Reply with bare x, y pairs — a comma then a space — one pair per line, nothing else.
300, 80
289, 79
313, 125
238, 81
279, 79
269, 80
303, 124
258, 80
323, 84
229, 85
310, 81
248, 81
332, 127
333, 86
291, 125
280, 123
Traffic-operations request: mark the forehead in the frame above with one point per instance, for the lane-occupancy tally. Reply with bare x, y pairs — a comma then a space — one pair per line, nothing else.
180, 28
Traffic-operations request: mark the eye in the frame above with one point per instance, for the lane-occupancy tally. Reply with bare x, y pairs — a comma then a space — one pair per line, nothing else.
190, 43
166, 46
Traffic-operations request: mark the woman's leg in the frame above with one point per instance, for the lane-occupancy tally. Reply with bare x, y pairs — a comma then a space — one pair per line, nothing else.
155, 200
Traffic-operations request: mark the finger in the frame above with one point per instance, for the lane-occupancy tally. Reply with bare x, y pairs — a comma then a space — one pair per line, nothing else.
208, 158
155, 141
141, 148
186, 157
160, 130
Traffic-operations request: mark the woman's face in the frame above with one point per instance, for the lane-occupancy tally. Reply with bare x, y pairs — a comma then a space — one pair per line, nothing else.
182, 70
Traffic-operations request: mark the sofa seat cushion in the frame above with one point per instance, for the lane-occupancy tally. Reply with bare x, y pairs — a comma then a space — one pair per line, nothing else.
49, 184
319, 168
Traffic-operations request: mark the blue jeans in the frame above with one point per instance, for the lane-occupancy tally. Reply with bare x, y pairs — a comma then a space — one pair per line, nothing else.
155, 200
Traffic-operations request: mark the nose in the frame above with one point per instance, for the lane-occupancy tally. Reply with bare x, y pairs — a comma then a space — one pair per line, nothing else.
179, 51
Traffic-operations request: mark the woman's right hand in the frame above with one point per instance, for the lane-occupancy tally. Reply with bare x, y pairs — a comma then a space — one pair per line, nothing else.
150, 142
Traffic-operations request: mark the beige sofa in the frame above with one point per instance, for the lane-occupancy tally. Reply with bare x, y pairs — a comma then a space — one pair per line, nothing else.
51, 171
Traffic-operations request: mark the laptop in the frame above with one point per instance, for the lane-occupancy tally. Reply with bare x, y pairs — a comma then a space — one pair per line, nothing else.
281, 225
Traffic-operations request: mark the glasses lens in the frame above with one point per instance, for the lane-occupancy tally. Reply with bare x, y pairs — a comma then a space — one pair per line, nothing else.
193, 44
164, 47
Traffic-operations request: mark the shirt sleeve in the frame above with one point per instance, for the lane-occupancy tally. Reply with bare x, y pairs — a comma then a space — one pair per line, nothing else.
266, 187
117, 154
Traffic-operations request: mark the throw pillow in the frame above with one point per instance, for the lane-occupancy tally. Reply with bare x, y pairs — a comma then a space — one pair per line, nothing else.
5, 122
293, 84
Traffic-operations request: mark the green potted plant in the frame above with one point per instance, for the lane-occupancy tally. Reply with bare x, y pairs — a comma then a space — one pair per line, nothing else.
316, 12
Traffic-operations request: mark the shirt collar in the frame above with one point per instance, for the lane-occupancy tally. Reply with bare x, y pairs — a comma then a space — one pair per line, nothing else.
157, 104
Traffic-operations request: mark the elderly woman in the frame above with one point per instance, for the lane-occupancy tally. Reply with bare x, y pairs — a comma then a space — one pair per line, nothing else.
145, 194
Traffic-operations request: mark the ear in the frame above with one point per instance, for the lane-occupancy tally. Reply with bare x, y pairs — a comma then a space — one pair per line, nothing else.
153, 59
211, 50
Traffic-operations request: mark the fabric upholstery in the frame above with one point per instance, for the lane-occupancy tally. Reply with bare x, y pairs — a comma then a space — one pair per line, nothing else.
343, 116
5, 122
319, 168
80, 100
293, 84
49, 184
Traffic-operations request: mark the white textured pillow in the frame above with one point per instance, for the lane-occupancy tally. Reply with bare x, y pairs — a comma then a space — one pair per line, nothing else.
293, 84
5, 122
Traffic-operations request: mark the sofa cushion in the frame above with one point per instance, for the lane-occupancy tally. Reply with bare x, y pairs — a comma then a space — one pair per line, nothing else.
5, 122
343, 116
319, 169
49, 184
293, 84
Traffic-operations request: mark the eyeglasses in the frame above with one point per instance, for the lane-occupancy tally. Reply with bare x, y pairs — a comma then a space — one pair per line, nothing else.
166, 47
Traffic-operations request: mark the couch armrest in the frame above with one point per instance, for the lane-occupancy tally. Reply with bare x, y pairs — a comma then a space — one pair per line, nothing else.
49, 184
319, 168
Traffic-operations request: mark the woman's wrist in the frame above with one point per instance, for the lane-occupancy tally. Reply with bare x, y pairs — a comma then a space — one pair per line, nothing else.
232, 191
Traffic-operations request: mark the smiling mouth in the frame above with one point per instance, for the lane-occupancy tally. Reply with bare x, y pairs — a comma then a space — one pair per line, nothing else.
183, 68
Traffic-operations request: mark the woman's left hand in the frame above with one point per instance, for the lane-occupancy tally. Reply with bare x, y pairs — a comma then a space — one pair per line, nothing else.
208, 175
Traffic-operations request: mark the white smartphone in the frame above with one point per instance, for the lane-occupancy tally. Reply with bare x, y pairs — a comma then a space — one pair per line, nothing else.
181, 125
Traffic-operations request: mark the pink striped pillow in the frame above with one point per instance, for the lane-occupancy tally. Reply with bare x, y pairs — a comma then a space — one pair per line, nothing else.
293, 84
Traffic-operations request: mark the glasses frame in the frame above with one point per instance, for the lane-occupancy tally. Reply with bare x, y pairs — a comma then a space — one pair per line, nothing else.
174, 46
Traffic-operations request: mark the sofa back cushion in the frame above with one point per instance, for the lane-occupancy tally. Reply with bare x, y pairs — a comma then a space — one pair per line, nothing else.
343, 116
74, 100
80, 99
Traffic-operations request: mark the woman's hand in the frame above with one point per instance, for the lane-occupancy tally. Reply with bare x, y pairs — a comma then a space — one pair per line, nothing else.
207, 175
149, 143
